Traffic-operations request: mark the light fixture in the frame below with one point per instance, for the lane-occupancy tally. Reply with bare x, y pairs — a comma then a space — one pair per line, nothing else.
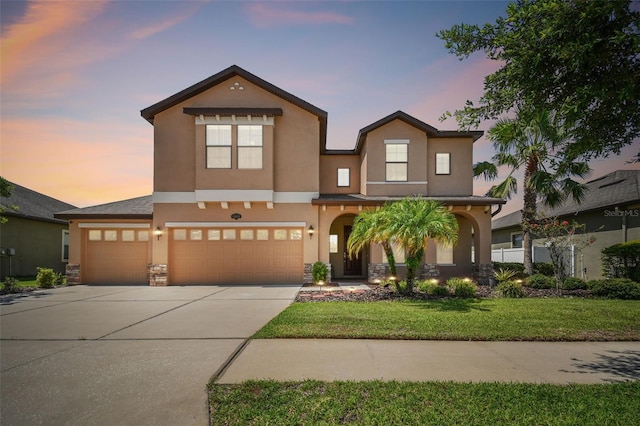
158, 233
236, 216
310, 231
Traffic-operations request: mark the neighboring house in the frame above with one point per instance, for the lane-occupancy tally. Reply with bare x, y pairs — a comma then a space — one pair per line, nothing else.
610, 212
246, 191
32, 237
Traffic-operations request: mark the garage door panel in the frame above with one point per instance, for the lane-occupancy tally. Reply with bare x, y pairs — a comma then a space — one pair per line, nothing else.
115, 262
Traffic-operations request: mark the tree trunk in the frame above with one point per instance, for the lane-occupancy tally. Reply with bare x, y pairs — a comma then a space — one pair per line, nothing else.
529, 211
413, 261
388, 251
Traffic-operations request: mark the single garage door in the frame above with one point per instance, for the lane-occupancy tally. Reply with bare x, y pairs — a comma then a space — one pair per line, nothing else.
236, 256
115, 256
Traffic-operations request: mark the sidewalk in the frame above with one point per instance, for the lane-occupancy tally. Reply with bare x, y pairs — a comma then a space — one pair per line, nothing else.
358, 360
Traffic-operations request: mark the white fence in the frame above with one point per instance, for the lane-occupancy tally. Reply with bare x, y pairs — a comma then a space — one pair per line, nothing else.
539, 254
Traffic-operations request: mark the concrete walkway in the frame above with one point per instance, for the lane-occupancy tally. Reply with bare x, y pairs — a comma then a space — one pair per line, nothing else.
123, 355
530, 362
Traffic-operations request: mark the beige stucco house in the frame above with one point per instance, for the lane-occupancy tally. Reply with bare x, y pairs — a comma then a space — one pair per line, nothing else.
245, 191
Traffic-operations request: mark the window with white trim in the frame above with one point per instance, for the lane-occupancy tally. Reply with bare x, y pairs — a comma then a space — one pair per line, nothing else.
218, 141
249, 147
344, 177
444, 255
443, 163
333, 243
396, 162
516, 240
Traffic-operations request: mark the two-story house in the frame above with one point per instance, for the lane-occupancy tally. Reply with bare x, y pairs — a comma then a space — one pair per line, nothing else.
245, 191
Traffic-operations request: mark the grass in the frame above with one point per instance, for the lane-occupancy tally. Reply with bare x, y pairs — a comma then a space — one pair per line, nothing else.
441, 403
553, 319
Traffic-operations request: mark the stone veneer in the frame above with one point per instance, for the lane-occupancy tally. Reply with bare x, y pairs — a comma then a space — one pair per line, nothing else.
157, 274
308, 273
72, 272
483, 273
377, 272
429, 271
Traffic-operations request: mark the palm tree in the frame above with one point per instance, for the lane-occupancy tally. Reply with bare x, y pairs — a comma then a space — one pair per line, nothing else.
370, 226
531, 141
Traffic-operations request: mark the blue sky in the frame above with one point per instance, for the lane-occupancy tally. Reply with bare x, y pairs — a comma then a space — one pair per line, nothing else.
76, 74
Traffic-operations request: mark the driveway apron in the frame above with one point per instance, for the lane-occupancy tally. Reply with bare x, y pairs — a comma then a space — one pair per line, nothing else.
123, 355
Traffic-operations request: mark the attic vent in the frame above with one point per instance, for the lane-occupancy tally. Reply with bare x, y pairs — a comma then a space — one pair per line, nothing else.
611, 183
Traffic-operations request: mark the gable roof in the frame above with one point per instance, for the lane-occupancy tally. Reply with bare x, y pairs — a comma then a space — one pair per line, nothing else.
134, 208
614, 189
33, 205
412, 121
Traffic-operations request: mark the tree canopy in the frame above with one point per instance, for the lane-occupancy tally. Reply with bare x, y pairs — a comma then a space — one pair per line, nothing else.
580, 59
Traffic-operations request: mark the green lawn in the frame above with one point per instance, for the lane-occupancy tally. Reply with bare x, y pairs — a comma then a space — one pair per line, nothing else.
480, 319
403, 403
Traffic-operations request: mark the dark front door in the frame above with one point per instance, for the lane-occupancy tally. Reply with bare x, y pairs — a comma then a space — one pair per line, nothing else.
352, 265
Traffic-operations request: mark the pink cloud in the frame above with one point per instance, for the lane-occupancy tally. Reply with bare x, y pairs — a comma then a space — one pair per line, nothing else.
265, 15
155, 28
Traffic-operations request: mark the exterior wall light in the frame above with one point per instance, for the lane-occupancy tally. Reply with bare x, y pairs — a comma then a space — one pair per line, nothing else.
310, 231
158, 233
236, 216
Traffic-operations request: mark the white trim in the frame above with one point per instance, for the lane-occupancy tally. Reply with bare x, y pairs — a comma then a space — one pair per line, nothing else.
234, 119
233, 195
389, 141
174, 197
114, 225
415, 182
235, 224
294, 197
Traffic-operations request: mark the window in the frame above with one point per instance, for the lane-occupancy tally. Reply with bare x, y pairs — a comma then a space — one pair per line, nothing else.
180, 234
95, 235
65, 245
443, 163
396, 162
343, 177
111, 235
295, 234
195, 235
444, 255
398, 254
333, 243
128, 235
213, 235
246, 234
280, 234
249, 147
143, 235
516, 240
262, 234
218, 146
228, 234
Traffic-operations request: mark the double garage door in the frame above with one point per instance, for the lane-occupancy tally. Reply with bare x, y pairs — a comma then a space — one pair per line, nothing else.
116, 256
236, 255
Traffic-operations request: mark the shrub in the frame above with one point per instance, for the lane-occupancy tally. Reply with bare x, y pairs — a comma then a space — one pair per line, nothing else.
544, 268
426, 286
514, 266
401, 286
319, 272
615, 288
10, 284
511, 289
622, 260
462, 288
574, 283
61, 279
504, 274
46, 278
540, 281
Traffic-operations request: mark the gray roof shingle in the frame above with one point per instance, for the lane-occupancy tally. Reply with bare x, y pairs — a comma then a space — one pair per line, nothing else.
33, 205
134, 208
614, 189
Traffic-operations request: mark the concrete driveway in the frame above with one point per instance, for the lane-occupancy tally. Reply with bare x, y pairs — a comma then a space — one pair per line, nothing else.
123, 355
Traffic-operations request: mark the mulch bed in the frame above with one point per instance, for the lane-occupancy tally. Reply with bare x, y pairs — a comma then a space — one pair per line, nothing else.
381, 293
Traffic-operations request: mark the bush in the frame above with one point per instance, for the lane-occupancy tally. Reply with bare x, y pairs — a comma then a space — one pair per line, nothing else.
517, 267
319, 272
574, 283
462, 288
401, 286
615, 288
10, 284
540, 281
544, 268
511, 289
46, 278
622, 260
432, 288
504, 274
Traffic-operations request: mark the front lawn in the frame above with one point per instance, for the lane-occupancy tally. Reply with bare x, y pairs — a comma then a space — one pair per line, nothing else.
550, 319
432, 403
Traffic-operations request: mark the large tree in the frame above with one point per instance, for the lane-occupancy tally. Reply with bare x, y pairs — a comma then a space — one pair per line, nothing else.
371, 226
579, 58
530, 142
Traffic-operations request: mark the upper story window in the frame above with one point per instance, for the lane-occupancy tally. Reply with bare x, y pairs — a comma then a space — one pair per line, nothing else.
344, 177
396, 160
249, 147
443, 163
218, 146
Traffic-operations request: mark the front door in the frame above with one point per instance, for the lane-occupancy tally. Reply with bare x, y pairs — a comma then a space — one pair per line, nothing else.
352, 265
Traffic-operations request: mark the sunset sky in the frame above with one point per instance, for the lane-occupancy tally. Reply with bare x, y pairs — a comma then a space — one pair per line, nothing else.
75, 75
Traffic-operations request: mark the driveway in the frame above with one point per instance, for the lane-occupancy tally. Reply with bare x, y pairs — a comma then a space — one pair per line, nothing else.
123, 355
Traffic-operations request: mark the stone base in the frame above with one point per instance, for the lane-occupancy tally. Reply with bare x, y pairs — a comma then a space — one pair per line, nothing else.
377, 272
483, 274
72, 272
157, 274
429, 271
308, 273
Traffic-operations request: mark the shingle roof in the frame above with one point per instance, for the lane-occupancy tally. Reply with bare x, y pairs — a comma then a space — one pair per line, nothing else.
134, 208
614, 189
33, 205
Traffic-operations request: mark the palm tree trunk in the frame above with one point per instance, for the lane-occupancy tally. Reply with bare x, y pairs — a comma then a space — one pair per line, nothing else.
388, 251
413, 261
529, 212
